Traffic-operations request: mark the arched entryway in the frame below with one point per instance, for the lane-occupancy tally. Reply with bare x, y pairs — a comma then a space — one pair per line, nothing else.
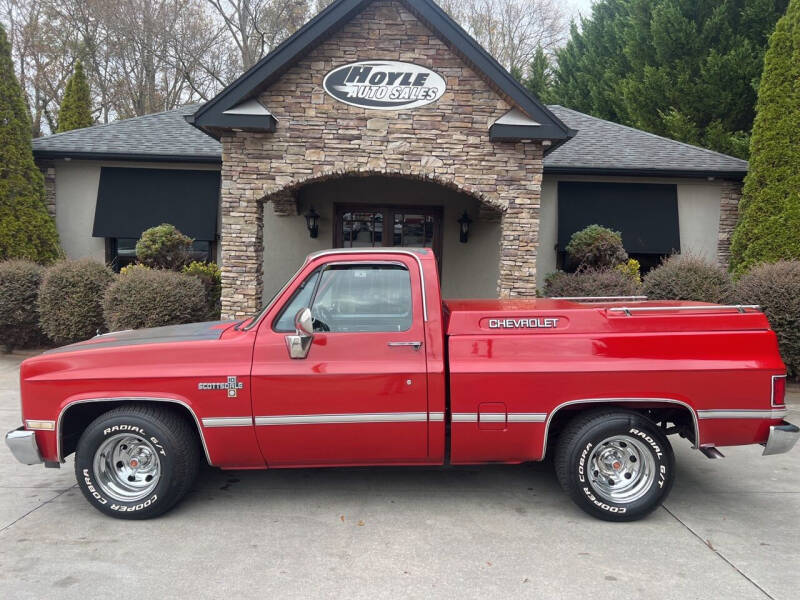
382, 210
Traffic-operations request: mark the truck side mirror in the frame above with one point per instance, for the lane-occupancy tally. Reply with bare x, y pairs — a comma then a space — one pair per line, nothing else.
300, 343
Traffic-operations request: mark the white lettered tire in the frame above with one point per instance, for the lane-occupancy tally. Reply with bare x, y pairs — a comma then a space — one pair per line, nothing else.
615, 464
137, 461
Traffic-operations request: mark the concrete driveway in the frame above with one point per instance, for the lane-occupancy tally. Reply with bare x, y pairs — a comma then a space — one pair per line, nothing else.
729, 530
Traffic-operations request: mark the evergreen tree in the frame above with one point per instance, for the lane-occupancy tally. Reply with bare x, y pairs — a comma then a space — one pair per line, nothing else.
687, 69
76, 106
539, 76
26, 230
769, 229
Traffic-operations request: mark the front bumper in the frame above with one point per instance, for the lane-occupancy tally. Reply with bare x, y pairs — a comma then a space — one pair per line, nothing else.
23, 446
782, 438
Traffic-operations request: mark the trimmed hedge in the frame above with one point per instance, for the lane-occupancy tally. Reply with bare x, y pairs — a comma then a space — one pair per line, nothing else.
688, 277
776, 287
70, 300
154, 298
596, 247
19, 317
592, 282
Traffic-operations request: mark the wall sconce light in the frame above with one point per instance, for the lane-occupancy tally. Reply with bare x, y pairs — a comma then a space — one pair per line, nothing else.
464, 222
312, 222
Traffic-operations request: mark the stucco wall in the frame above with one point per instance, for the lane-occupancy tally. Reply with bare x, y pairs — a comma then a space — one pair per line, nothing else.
468, 270
698, 216
76, 185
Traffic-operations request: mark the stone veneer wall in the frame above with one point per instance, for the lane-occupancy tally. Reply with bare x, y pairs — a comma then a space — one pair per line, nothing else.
48, 170
318, 137
730, 196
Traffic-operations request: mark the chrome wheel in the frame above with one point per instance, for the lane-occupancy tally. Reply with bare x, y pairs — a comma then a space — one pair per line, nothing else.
621, 469
127, 467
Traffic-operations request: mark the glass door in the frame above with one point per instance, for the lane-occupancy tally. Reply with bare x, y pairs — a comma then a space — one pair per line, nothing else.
365, 226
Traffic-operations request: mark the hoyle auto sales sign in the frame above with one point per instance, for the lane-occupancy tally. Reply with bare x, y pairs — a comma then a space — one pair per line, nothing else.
384, 85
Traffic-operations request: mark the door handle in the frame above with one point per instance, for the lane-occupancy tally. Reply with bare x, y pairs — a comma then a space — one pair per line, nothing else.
415, 345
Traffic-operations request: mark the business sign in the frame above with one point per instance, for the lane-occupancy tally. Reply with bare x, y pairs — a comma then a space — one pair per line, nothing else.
384, 85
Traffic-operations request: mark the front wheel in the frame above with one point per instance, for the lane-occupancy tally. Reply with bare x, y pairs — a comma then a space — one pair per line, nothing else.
615, 464
137, 461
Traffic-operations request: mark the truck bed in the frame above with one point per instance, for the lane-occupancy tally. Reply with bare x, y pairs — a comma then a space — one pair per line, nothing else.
523, 361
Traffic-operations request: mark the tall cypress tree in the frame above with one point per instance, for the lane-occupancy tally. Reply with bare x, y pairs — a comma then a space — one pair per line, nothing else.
769, 229
76, 106
26, 230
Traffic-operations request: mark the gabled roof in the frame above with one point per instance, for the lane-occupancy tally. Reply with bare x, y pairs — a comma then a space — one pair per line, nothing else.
164, 136
212, 117
600, 147
608, 148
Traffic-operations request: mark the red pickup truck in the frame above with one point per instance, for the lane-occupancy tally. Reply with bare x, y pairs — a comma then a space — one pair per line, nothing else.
357, 361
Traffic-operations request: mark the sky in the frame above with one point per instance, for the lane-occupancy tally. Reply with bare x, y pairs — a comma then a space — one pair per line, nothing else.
584, 7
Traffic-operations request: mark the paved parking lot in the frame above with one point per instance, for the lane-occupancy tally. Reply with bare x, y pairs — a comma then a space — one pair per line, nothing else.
729, 530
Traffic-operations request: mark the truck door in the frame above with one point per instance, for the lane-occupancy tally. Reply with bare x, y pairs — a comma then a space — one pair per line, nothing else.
360, 395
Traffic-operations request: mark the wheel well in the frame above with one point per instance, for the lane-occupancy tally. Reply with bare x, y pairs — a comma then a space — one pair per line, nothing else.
77, 417
673, 418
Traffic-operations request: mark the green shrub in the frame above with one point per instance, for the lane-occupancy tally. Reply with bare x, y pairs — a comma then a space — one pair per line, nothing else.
596, 247
591, 282
210, 276
688, 277
164, 247
132, 267
632, 268
70, 300
19, 318
152, 298
776, 287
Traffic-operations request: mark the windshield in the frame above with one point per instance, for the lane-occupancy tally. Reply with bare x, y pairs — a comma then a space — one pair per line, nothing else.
257, 317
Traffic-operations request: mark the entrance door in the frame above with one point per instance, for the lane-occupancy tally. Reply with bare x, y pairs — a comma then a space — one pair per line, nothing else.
369, 226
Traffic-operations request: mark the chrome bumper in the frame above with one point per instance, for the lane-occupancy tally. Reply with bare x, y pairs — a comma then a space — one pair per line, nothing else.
23, 446
782, 438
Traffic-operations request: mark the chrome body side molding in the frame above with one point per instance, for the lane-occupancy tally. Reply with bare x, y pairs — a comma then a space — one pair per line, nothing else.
742, 413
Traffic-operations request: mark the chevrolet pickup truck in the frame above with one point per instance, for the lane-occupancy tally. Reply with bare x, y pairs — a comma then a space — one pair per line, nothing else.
358, 361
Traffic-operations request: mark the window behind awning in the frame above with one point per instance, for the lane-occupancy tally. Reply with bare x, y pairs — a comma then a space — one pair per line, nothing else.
645, 213
131, 200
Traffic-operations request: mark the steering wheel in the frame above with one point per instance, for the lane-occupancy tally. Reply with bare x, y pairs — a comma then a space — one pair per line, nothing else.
322, 319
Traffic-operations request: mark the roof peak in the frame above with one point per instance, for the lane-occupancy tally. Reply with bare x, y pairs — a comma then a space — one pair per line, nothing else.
213, 119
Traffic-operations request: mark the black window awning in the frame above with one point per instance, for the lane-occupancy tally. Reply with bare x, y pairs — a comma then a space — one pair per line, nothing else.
131, 200
645, 213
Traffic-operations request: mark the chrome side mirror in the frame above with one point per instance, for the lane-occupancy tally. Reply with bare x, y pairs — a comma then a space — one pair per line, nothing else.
300, 343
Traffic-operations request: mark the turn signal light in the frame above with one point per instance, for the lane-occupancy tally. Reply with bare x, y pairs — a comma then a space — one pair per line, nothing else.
778, 390
40, 425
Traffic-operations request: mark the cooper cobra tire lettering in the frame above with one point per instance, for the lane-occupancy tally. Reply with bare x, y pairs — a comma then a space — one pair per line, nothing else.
92, 490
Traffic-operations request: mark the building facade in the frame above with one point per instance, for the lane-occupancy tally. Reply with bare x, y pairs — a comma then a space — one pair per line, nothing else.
381, 123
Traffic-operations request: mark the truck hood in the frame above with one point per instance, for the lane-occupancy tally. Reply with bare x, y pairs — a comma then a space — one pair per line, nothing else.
155, 335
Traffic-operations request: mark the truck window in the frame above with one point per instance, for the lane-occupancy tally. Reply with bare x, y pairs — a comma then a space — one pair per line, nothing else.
363, 298
300, 299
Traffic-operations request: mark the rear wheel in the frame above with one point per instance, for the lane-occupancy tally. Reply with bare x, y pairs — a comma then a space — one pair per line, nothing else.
615, 464
137, 461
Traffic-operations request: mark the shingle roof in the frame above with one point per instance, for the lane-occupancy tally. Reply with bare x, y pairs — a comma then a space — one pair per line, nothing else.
600, 146
160, 136
603, 146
